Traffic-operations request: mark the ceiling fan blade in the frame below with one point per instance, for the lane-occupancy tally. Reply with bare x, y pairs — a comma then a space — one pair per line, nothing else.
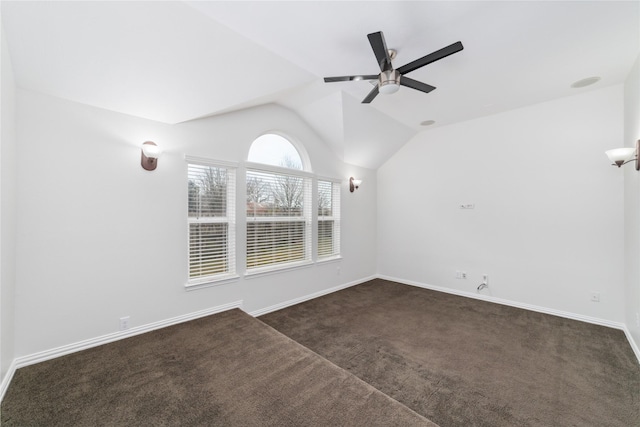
432, 57
414, 84
380, 50
350, 78
374, 92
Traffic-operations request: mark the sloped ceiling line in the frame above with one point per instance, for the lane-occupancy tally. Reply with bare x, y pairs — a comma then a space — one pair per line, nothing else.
176, 61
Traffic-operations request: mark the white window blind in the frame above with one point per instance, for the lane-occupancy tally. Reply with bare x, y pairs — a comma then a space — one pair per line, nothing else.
328, 219
211, 221
278, 220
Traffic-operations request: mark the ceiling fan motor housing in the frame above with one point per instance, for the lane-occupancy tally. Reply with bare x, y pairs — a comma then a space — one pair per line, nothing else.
389, 81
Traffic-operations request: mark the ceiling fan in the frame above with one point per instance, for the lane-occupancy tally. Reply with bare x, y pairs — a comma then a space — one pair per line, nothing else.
390, 80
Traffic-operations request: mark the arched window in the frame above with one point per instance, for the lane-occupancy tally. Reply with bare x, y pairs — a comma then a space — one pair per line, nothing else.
275, 150
278, 206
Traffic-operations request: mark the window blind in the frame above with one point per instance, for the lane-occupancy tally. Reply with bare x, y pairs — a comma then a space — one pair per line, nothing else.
328, 219
211, 218
278, 219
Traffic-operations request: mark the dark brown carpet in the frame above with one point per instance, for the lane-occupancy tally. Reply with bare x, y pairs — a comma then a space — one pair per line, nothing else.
223, 370
464, 362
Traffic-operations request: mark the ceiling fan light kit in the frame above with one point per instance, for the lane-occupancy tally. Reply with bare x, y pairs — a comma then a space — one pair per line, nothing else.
389, 82
390, 79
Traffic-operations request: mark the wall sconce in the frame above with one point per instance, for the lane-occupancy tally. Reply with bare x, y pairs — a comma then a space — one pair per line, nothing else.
354, 184
150, 154
622, 156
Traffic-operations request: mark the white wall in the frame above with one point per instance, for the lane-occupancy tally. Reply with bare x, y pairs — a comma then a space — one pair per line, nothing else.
548, 220
632, 204
7, 212
100, 238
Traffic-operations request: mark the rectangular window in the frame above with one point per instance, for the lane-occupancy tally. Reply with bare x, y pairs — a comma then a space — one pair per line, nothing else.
211, 221
278, 220
328, 219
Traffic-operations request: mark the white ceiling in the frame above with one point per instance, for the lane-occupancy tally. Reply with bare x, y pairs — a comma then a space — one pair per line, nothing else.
177, 61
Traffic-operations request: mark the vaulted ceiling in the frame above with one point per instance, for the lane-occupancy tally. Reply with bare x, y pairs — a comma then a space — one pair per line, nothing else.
178, 61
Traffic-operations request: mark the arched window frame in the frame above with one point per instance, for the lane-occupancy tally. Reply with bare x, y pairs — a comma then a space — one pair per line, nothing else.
302, 152
279, 226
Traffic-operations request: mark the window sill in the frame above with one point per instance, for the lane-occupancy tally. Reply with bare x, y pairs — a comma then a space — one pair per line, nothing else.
265, 271
209, 282
334, 258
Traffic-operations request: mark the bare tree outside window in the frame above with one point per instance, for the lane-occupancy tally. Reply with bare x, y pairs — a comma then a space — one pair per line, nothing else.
208, 192
324, 198
328, 243
278, 230
211, 238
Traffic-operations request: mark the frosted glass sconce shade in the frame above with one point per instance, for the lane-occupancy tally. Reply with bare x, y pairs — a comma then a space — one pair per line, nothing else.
150, 154
354, 184
621, 156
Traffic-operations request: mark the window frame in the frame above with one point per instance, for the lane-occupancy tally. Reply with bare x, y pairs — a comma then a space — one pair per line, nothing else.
230, 219
308, 181
237, 215
336, 194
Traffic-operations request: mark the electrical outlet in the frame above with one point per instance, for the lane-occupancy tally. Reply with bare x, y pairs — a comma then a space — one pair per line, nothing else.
124, 323
458, 274
338, 270
485, 279
595, 296
464, 274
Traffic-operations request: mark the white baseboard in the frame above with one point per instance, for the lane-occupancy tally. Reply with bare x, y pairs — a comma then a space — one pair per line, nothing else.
539, 309
42, 356
304, 298
4, 385
632, 342
105, 339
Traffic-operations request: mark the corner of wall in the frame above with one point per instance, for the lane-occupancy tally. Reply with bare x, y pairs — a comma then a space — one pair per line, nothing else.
632, 209
7, 215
